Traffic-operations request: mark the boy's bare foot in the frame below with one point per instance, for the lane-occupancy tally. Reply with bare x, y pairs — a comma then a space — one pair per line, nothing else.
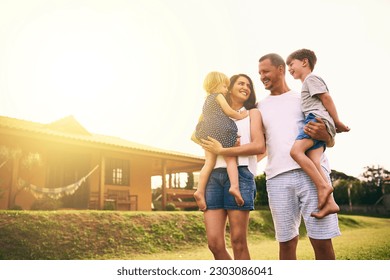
323, 195
237, 196
200, 200
330, 207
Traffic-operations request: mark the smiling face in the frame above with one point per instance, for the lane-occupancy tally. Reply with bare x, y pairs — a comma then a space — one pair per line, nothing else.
241, 90
297, 69
270, 75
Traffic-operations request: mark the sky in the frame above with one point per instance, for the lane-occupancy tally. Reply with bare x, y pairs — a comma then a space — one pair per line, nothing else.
134, 69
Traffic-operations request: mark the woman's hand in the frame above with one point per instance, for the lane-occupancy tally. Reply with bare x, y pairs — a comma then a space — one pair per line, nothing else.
317, 130
212, 145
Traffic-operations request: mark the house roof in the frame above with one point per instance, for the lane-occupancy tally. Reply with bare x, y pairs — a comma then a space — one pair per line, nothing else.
69, 128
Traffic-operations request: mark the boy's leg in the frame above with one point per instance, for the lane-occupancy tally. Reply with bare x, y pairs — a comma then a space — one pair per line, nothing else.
330, 206
232, 170
324, 199
203, 179
298, 153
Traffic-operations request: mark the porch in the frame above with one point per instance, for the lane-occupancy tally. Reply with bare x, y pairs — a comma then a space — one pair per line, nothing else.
67, 152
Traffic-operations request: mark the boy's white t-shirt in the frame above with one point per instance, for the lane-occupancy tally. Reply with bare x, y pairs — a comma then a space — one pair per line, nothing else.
282, 118
244, 132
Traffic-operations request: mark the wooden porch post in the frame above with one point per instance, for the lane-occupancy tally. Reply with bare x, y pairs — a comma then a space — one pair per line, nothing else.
102, 182
164, 185
14, 182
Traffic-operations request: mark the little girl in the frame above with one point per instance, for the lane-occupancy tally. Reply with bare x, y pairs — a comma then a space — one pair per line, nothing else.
216, 122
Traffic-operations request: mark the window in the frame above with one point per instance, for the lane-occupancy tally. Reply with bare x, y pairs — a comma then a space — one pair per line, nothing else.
117, 172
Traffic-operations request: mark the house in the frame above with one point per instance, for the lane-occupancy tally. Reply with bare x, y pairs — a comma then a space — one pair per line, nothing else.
63, 159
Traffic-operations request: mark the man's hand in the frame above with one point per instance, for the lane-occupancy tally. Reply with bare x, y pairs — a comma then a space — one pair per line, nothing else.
212, 145
317, 130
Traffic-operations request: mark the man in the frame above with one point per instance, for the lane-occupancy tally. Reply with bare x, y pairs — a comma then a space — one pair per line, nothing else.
292, 194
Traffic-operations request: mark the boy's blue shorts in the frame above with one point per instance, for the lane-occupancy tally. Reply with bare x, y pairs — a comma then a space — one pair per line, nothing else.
302, 135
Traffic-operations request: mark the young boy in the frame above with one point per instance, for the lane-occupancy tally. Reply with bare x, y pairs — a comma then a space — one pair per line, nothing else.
316, 103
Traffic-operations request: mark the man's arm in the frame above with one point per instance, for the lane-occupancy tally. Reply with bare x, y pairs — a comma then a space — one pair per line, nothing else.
317, 130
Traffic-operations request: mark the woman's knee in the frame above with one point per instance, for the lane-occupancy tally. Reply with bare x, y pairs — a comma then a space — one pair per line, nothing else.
216, 245
239, 242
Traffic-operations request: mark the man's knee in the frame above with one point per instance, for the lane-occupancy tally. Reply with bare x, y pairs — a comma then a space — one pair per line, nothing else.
289, 245
322, 244
323, 249
288, 249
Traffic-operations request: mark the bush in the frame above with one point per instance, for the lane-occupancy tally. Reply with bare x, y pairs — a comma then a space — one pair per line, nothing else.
16, 207
170, 207
109, 205
46, 204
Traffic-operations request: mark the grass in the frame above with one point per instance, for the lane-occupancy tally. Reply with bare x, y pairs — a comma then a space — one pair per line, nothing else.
363, 238
164, 235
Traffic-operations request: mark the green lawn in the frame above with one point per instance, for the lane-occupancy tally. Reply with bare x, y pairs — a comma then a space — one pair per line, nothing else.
83, 235
363, 238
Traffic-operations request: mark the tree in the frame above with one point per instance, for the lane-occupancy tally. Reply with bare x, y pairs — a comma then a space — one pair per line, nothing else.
261, 191
374, 179
337, 175
28, 163
344, 188
4, 157
376, 175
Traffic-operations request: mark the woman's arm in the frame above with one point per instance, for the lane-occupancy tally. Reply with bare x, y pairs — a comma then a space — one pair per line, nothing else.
261, 156
255, 147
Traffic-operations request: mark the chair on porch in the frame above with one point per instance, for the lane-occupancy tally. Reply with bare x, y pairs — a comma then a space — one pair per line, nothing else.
123, 200
93, 203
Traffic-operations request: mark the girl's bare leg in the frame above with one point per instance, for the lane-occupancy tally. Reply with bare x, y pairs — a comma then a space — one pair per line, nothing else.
234, 190
204, 175
297, 152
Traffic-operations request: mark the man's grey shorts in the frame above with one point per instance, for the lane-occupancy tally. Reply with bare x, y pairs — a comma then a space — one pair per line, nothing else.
293, 195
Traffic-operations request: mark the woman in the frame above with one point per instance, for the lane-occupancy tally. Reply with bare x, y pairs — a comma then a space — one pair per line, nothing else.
221, 206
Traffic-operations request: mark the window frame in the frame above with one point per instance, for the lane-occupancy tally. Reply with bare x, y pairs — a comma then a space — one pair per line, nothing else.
117, 172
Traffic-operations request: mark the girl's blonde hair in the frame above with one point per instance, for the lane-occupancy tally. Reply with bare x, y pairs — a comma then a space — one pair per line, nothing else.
213, 80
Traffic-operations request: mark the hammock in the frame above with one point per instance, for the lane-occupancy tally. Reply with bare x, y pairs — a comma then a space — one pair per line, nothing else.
56, 193
1, 165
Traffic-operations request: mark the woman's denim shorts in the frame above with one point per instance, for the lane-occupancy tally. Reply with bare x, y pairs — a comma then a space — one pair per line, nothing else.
217, 190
